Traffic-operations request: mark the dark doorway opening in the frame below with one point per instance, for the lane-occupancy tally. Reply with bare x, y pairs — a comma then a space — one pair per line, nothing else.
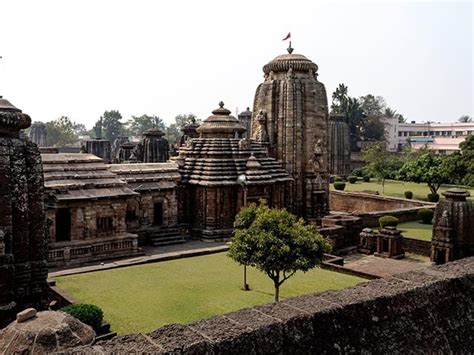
440, 256
63, 225
158, 216
385, 245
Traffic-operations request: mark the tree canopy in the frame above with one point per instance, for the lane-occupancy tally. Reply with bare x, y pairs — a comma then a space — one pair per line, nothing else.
276, 242
380, 163
61, 131
139, 124
109, 126
427, 167
465, 119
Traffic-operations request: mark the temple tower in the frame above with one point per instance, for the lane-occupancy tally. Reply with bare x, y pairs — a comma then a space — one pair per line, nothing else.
155, 146
245, 119
453, 236
339, 146
99, 147
290, 118
38, 134
23, 253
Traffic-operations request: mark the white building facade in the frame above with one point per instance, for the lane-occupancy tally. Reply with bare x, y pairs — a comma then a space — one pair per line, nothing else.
443, 138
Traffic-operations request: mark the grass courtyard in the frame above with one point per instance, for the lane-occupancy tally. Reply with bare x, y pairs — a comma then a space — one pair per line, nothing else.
397, 188
416, 230
145, 297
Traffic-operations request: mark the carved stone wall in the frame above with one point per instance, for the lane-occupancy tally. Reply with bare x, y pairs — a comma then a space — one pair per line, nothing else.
23, 265
290, 118
339, 146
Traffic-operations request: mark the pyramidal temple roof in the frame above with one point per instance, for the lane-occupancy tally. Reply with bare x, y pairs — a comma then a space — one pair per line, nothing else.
218, 157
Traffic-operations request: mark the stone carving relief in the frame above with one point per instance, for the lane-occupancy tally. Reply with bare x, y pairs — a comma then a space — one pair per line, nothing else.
261, 134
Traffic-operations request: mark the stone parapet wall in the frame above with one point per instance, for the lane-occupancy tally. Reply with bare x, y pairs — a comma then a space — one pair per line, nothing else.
422, 311
365, 202
422, 247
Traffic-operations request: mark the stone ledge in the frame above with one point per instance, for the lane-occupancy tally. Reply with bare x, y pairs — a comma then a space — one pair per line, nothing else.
420, 311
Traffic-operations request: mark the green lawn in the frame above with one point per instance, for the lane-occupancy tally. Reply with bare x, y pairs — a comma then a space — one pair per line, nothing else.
396, 188
145, 297
416, 230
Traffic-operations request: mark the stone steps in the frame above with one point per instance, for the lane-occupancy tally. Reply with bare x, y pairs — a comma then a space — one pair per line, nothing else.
168, 235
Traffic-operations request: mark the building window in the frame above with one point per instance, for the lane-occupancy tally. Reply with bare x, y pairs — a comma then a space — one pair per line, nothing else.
131, 215
63, 225
105, 224
158, 214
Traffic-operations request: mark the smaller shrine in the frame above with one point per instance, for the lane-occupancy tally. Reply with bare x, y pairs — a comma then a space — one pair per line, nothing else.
389, 243
38, 134
245, 119
153, 148
339, 146
368, 242
453, 236
99, 147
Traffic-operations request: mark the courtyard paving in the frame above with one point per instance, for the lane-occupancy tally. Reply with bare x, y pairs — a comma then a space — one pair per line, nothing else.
385, 267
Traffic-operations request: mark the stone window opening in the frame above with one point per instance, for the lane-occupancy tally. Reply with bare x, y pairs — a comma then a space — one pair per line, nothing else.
131, 215
63, 225
158, 214
105, 224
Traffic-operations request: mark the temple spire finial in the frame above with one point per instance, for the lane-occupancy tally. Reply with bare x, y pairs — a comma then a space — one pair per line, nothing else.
290, 48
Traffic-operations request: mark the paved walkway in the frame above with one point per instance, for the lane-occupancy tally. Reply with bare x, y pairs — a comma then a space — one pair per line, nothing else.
384, 267
152, 255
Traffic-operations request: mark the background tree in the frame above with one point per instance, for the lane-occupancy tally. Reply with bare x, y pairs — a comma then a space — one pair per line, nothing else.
97, 129
174, 130
61, 132
427, 167
110, 125
374, 129
139, 124
467, 158
389, 113
465, 119
380, 163
278, 244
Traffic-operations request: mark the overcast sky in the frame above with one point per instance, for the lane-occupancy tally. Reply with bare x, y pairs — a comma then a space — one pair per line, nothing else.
80, 58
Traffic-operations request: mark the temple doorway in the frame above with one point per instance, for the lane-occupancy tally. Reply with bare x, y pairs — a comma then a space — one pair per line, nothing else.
158, 216
63, 225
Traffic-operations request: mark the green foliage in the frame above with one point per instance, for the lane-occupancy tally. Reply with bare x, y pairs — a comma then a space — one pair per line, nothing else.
380, 163
433, 197
139, 124
339, 185
408, 194
467, 160
388, 221
465, 119
352, 179
337, 178
374, 129
174, 130
109, 126
366, 178
426, 215
429, 168
276, 242
61, 132
87, 313
359, 172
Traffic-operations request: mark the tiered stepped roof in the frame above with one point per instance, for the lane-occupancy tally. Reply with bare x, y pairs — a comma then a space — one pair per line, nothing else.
215, 159
148, 176
78, 176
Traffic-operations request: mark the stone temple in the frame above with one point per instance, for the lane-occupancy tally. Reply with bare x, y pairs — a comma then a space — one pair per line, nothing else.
23, 265
290, 119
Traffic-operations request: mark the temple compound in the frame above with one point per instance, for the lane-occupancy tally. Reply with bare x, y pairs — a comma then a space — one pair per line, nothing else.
290, 118
453, 236
23, 258
339, 146
86, 206
221, 172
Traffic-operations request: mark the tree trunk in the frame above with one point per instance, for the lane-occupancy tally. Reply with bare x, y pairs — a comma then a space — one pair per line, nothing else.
383, 186
277, 293
246, 286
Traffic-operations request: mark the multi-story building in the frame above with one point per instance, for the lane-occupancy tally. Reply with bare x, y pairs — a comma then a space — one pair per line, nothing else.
444, 138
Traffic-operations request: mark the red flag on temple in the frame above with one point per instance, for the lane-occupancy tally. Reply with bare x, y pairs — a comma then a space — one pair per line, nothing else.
287, 36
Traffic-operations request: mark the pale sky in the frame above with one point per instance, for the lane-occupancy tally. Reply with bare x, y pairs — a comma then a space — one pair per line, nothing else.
80, 58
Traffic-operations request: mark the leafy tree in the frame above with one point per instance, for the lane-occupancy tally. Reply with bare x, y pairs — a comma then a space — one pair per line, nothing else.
389, 113
427, 167
467, 159
80, 129
380, 163
340, 99
61, 132
465, 119
276, 242
109, 126
139, 124
374, 129
184, 120
174, 130
373, 106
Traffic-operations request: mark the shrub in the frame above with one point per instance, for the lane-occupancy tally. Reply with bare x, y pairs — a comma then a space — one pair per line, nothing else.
339, 185
408, 194
87, 313
352, 179
433, 197
359, 172
426, 215
388, 221
337, 178
366, 178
